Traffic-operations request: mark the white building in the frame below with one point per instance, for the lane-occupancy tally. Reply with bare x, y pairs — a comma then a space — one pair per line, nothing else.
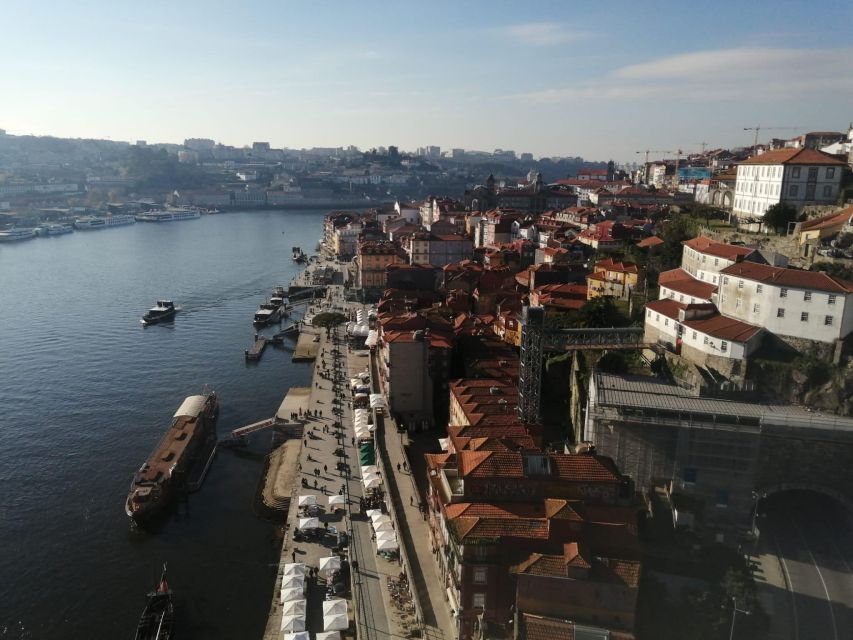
678, 285
797, 177
809, 305
698, 332
704, 258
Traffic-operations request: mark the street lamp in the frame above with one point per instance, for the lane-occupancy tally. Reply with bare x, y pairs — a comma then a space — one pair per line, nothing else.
735, 611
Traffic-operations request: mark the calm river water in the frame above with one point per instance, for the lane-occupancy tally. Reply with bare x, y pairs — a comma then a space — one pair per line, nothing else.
86, 393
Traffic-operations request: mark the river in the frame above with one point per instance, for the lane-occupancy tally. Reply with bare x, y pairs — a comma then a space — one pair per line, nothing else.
86, 393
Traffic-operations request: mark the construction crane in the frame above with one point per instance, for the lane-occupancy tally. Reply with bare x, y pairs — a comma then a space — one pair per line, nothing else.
648, 151
758, 128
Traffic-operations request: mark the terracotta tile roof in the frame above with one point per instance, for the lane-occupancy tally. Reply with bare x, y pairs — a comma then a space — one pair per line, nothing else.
682, 282
526, 528
723, 328
832, 220
613, 265
651, 241
718, 249
667, 307
793, 156
814, 280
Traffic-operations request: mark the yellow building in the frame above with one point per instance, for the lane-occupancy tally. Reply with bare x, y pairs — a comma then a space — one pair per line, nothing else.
373, 258
812, 232
612, 278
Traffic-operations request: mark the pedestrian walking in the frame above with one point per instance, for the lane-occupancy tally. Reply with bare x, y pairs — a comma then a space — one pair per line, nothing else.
398, 467
325, 469
411, 501
293, 556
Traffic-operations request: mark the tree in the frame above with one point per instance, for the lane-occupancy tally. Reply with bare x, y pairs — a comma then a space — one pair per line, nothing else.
329, 320
600, 313
778, 216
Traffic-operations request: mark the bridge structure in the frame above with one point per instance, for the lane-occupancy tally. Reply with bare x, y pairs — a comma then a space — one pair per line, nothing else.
537, 340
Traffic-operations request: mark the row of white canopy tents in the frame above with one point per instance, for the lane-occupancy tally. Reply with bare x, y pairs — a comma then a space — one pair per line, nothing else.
363, 429
304, 635
293, 601
310, 500
386, 537
370, 477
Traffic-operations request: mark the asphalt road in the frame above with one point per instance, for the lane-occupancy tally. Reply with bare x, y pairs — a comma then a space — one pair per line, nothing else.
812, 541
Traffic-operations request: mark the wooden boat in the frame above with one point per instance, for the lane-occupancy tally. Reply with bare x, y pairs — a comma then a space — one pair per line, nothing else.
157, 619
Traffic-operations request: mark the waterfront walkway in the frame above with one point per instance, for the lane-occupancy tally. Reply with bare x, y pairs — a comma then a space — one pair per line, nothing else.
376, 614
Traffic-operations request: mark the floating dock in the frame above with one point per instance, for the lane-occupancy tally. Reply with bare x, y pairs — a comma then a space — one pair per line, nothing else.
253, 354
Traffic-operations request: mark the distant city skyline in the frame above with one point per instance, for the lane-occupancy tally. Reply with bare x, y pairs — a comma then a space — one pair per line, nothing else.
548, 78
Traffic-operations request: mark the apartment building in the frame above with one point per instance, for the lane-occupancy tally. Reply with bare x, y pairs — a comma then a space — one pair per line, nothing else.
797, 177
613, 278
809, 305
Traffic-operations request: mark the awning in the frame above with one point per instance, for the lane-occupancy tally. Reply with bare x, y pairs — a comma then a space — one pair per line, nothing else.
293, 623
294, 608
306, 500
337, 500
299, 635
377, 401
330, 563
329, 635
372, 338
337, 622
442, 442
335, 606
293, 582
308, 523
295, 569
369, 469
387, 545
383, 526
292, 594
366, 454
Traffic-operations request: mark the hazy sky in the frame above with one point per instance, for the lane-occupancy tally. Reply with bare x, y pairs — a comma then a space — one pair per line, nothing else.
598, 79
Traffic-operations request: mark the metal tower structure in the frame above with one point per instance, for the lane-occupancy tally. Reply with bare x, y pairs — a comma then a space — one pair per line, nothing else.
530, 363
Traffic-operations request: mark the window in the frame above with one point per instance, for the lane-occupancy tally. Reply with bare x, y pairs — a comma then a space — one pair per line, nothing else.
795, 172
478, 600
657, 317
783, 292
681, 297
724, 346
714, 279
740, 284
666, 322
756, 308
807, 296
810, 189
812, 174
716, 261
738, 302
694, 335
793, 190
706, 341
827, 191
780, 312
830, 173
827, 321
722, 498
672, 295
804, 316
759, 288
480, 575
648, 313
725, 280
831, 299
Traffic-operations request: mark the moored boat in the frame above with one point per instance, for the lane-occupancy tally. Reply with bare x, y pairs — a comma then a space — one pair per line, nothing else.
14, 235
168, 215
54, 229
163, 310
157, 619
164, 474
267, 313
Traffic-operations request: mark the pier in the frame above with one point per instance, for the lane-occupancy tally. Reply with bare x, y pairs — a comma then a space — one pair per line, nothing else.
253, 354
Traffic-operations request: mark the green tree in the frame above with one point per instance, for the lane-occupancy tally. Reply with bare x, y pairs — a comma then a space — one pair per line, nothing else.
328, 320
778, 216
601, 313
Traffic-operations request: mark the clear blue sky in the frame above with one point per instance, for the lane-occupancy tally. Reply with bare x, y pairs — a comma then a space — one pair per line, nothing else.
553, 78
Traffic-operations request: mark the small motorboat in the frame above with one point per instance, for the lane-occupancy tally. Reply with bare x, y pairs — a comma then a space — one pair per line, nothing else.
157, 619
163, 310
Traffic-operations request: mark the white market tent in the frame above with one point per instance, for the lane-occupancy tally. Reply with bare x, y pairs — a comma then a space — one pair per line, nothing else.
337, 622
329, 635
372, 338
377, 401
370, 469
372, 483
299, 635
373, 512
292, 594
386, 535
334, 606
331, 563
307, 500
337, 501
294, 608
295, 569
308, 523
442, 442
379, 517
293, 623
293, 582
387, 545
383, 526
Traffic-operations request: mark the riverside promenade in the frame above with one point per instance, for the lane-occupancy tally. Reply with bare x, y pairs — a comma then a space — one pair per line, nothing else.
375, 611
